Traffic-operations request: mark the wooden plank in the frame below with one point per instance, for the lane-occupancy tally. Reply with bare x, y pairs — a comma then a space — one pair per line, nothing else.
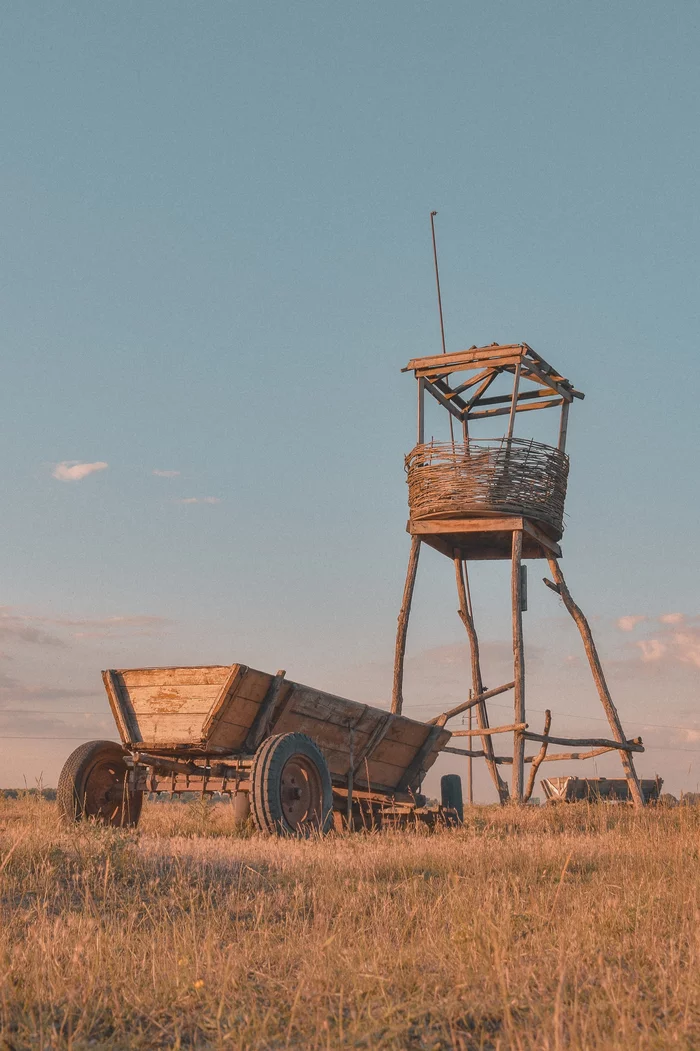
254, 685
507, 362
379, 773
452, 396
483, 387
206, 675
406, 731
186, 729
326, 707
414, 771
533, 369
236, 673
540, 535
370, 747
239, 712
465, 525
433, 390
393, 752
472, 381
448, 361
523, 395
530, 407
259, 726
119, 702
548, 370
172, 700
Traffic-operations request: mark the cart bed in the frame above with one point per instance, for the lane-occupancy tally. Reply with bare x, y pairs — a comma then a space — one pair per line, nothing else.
216, 710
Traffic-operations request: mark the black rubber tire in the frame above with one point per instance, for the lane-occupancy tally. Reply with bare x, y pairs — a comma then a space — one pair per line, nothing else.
274, 759
88, 774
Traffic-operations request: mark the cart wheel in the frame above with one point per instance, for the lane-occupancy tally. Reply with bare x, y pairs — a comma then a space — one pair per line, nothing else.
94, 784
292, 792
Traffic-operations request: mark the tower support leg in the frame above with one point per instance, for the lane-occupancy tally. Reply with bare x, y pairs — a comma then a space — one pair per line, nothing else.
599, 679
518, 784
402, 628
477, 684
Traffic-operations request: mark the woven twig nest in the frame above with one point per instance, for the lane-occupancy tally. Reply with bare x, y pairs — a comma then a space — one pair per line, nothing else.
481, 477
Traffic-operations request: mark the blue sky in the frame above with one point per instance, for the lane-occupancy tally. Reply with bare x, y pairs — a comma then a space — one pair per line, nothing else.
216, 259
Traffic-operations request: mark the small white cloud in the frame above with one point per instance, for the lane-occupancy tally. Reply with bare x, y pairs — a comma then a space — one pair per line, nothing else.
199, 500
652, 649
74, 471
671, 618
165, 474
687, 644
630, 622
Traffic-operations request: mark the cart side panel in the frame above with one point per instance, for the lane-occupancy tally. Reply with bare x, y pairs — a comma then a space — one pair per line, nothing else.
237, 711
165, 707
331, 721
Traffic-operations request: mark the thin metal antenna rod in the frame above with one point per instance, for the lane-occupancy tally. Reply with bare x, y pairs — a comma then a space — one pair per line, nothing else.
437, 281
439, 295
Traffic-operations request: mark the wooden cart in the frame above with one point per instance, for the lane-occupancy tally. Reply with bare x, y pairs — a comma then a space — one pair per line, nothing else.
296, 758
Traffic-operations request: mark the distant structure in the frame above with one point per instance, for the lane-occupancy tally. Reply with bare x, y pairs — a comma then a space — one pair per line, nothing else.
473, 499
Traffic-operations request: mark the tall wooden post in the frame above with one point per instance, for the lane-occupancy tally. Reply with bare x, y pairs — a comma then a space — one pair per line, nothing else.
518, 785
482, 718
599, 679
402, 628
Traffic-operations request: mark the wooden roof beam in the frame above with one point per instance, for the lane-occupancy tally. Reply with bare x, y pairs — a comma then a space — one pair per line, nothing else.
505, 399
450, 395
518, 408
431, 389
462, 358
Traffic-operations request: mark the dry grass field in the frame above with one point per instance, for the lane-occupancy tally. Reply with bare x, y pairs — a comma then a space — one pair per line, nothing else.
574, 927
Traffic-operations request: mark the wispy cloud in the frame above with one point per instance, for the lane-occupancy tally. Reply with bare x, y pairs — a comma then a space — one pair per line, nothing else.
652, 649
630, 622
165, 474
74, 471
671, 618
675, 644
199, 500
17, 628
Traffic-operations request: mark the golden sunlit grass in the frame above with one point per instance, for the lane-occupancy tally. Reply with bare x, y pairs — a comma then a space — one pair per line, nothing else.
573, 927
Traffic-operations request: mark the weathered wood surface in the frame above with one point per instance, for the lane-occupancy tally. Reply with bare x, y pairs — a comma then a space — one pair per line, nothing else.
634, 745
599, 679
482, 718
402, 626
511, 728
226, 709
518, 782
471, 703
538, 759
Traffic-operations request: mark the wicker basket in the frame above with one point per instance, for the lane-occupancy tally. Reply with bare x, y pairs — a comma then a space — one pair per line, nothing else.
478, 478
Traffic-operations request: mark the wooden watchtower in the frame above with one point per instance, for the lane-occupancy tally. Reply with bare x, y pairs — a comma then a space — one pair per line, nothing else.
474, 498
